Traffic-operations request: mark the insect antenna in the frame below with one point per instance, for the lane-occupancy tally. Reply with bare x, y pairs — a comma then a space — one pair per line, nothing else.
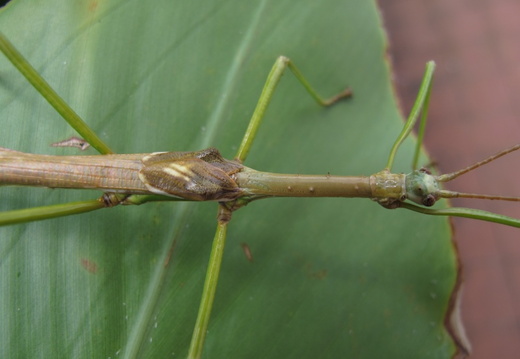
450, 176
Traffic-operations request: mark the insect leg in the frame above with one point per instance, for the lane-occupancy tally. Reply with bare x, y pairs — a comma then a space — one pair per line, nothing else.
210, 283
51, 96
270, 85
420, 105
48, 212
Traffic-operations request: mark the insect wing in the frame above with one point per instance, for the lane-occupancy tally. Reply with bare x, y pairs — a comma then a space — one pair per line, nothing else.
191, 179
162, 157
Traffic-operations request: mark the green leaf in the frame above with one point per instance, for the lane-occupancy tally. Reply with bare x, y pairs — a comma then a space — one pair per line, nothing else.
330, 278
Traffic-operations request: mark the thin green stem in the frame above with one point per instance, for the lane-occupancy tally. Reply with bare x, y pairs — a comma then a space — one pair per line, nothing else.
419, 104
51, 96
466, 213
47, 212
210, 285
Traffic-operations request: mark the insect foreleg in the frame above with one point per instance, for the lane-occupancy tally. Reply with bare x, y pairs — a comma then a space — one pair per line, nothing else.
420, 106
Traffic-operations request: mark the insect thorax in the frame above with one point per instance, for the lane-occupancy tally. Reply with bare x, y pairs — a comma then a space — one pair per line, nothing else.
388, 189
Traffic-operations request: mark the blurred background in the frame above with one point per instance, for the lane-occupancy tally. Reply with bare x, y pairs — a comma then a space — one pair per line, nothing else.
474, 112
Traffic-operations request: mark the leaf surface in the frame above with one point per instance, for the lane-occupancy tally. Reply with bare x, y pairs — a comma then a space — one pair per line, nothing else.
329, 278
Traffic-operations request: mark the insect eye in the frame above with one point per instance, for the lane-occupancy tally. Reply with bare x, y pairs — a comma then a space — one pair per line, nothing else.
429, 200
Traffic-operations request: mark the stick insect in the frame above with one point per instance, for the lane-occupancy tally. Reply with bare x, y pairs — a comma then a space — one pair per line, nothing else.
206, 176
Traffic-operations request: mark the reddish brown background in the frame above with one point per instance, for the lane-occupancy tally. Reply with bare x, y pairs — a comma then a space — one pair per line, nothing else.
474, 112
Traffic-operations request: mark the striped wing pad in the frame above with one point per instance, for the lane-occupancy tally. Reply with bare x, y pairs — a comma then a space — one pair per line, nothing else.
197, 176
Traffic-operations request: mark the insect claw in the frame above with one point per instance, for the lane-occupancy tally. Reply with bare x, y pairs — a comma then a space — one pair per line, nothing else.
345, 94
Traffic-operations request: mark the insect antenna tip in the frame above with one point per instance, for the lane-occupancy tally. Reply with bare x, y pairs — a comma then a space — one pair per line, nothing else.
450, 176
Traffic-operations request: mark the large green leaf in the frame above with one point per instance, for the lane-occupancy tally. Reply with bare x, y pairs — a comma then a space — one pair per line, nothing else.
330, 278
